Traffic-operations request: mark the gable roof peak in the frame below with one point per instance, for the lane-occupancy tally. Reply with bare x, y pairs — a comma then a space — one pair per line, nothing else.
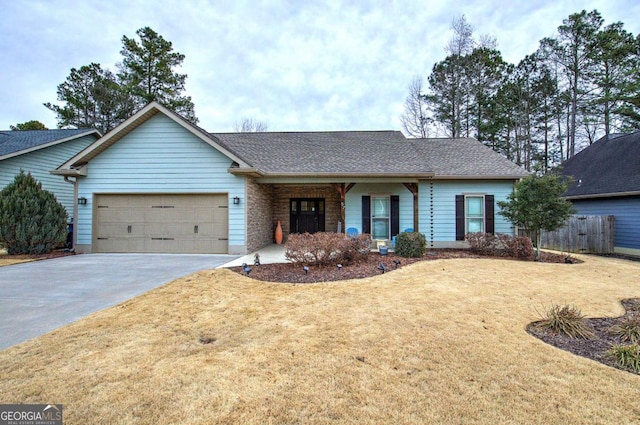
18, 142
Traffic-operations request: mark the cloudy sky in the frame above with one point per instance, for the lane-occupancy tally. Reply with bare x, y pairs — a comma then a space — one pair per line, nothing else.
295, 64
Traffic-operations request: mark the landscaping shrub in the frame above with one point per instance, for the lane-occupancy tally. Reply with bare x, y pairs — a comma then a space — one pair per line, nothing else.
519, 247
410, 245
481, 243
325, 248
500, 245
627, 356
31, 219
628, 330
567, 321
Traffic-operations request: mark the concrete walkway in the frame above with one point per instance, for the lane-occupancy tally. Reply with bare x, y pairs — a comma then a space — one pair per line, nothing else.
268, 255
41, 296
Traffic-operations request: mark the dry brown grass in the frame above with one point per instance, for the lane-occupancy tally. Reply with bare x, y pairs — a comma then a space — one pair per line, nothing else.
7, 260
436, 342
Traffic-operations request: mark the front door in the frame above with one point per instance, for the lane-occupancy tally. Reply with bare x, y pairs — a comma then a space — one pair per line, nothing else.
307, 215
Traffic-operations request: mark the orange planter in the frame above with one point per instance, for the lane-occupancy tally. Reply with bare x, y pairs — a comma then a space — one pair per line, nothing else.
279, 233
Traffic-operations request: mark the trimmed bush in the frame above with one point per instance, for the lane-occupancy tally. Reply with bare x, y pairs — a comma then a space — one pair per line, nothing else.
31, 219
410, 245
567, 321
325, 248
500, 245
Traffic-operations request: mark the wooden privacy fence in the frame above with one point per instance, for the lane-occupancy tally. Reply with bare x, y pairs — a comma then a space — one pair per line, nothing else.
583, 234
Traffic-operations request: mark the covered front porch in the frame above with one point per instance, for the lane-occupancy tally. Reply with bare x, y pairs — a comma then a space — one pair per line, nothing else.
382, 209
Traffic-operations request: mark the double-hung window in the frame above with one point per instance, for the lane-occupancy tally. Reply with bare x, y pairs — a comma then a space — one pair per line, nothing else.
474, 213
380, 217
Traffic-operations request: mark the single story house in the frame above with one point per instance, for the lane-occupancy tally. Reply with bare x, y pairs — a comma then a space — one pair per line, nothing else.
157, 183
39, 151
606, 181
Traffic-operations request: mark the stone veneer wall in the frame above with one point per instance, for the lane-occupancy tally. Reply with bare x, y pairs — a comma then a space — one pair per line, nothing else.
283, 193
259, 210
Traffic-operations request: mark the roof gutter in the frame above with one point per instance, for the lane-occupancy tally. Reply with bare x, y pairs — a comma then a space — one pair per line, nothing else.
351, 175
604, 195
71, 172
246, 171
489, 177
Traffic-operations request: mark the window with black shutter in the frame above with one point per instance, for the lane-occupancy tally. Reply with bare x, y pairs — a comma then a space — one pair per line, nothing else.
474, 213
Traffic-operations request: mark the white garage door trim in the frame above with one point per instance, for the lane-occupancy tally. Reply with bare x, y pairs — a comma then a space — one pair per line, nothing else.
161, 223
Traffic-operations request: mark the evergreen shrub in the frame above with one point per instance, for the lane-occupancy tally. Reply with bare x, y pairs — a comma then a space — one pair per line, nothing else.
32, 221
410, 244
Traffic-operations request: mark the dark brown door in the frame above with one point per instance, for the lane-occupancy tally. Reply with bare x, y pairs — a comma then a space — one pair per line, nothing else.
307, 215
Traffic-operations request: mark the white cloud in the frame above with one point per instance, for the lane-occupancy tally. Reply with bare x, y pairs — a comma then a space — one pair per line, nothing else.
315, 65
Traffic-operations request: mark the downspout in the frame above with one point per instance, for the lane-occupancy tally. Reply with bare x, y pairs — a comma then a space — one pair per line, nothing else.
75, 211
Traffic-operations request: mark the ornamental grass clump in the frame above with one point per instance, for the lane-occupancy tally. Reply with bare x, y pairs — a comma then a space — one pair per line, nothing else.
567, 320
627, 356
628, 330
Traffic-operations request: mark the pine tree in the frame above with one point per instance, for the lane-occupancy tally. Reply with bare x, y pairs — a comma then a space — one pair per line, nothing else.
147, 70
31, 219
92, 99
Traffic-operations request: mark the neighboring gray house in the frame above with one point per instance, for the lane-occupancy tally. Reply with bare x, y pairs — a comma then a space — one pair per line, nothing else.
38, 152
157, 183
606, 181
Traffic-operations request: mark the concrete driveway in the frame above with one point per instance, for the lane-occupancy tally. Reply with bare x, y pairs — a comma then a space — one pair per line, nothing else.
41, 296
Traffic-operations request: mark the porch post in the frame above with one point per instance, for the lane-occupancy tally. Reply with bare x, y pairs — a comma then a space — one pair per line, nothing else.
342, 190
413, 188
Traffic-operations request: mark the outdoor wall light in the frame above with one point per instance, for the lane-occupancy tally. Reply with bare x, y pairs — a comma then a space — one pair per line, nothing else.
236, 200
82, 201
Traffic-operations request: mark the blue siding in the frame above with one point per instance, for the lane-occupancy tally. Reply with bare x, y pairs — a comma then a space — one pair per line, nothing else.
40, 162
437, 207
160, 156
627, 217
353, 201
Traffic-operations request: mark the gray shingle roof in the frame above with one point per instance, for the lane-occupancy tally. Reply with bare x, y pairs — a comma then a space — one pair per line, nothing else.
607, 166
16, 141
464, 157
370, 152
320, 152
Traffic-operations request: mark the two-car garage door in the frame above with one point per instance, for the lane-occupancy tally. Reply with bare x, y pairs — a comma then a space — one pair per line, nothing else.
167, 223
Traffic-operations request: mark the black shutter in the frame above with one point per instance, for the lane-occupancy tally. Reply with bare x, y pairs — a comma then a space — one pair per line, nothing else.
395, 215
488, 214
459, 217
366, 214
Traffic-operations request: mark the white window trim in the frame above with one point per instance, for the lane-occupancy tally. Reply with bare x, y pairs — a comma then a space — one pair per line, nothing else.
484, 212
388, 217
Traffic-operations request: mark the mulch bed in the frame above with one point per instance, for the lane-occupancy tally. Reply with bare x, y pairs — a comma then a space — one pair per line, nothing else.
596, 348
52, 254
294, 273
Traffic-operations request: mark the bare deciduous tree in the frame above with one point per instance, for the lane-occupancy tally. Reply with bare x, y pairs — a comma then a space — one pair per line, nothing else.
414, 118
249, 125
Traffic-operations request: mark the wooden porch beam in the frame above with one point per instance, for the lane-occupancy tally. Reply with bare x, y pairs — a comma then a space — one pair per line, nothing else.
413, 188
342, 189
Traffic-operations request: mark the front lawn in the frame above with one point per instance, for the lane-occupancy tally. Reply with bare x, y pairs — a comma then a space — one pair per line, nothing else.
440, 341
8, 260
